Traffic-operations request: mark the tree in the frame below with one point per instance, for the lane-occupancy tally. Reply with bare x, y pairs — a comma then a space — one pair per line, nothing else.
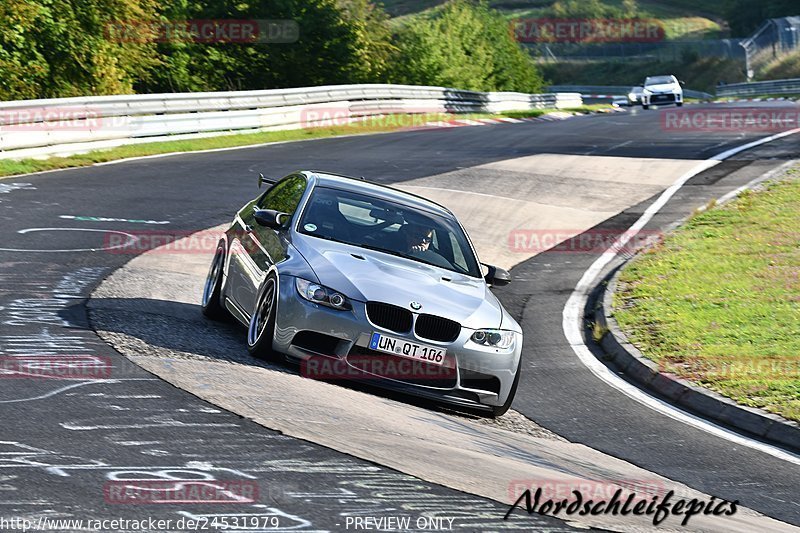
466, 46
339, 41
745, 16
54, 48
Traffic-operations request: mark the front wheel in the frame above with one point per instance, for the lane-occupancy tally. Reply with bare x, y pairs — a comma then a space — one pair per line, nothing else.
645, 106
679, 104
212, 292
262, 321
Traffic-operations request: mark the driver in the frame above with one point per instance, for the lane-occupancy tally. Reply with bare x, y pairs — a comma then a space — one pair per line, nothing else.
418, 238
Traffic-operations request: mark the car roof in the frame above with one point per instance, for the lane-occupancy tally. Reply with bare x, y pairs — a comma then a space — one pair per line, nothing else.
370, 188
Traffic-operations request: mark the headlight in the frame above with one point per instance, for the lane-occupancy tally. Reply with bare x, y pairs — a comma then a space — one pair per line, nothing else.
632, 96
495, 338
318, 294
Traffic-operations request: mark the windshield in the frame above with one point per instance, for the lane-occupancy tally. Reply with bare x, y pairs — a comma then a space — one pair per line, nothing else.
658, 80
389, 227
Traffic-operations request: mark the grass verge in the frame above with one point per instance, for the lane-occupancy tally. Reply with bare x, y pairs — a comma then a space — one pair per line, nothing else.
718, 301
370, 125
760, 96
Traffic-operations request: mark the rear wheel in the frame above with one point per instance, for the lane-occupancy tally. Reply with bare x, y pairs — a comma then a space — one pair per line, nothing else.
500, 410
212, 292
262, 321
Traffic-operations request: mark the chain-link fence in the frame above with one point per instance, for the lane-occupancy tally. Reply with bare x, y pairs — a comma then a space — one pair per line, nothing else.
774, 39
657, 51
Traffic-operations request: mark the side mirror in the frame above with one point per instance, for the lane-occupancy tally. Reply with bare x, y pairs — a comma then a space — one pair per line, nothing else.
497, 276
270, 218
682, 83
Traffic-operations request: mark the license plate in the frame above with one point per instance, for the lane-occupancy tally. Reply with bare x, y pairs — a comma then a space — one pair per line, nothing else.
404, 348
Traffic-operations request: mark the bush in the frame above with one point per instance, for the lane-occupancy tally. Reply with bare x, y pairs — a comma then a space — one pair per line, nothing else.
55, 48
345, 41
745, 16
465, 46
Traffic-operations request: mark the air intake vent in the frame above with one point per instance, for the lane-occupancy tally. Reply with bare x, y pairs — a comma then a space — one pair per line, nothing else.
389, 316
437, 328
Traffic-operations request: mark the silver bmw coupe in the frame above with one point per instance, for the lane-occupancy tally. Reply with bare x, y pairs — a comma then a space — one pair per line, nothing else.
356, 280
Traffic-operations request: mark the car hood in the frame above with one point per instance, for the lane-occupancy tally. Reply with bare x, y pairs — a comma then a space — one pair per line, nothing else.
367, 275
662, 88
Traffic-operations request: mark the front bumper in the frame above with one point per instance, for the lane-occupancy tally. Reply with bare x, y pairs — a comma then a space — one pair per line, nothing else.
662, 98
472, 375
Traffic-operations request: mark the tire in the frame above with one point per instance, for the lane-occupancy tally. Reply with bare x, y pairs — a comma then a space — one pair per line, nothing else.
500, 410
262, 322
679, 104
645, 106
212, 292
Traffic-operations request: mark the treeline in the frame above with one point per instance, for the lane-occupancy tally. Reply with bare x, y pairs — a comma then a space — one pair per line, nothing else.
745, 16
59, 48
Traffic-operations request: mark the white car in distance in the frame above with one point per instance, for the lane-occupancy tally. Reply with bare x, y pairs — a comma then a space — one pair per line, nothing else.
660, 90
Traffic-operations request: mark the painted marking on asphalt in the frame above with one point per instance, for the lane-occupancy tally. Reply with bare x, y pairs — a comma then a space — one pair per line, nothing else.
8, 187
84, 218
73, 386
25, 311
53, 392
42, 343
131, 239
74, 283
167, 422
572, 314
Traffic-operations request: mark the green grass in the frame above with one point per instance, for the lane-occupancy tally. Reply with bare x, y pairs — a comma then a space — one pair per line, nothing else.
590, 108
385, 123
583, 110
718, 301
786, 67
681, 19
761, 96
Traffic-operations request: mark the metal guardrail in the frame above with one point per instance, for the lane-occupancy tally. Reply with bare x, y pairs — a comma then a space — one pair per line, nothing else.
35, 128
616, 90
790, 86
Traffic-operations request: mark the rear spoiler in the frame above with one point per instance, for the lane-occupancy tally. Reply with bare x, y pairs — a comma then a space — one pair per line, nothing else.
262, 180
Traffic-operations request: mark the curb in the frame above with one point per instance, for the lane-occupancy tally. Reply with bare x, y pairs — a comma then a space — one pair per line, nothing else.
629, 360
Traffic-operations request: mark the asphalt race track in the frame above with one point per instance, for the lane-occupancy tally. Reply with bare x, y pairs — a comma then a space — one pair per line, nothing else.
64, 442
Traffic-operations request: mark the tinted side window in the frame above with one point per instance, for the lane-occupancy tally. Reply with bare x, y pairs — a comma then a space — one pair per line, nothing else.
285, 195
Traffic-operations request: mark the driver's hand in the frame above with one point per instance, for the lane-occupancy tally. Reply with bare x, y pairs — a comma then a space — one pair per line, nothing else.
420, 247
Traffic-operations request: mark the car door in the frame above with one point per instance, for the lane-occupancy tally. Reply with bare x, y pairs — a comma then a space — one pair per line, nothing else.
255, 248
